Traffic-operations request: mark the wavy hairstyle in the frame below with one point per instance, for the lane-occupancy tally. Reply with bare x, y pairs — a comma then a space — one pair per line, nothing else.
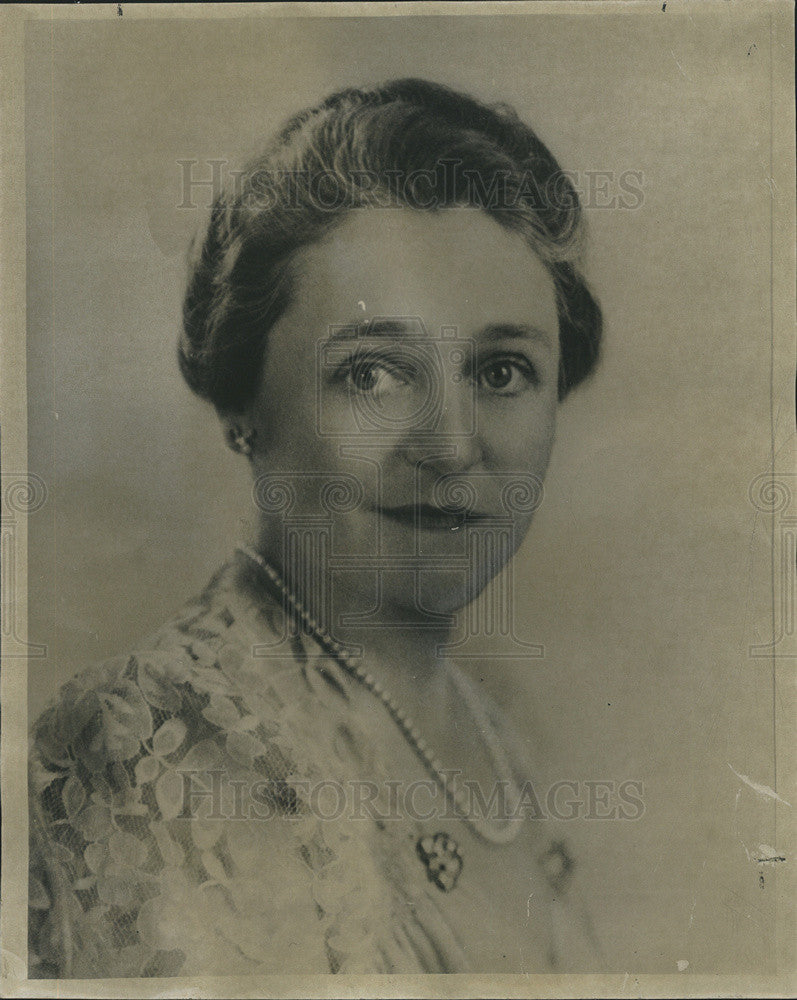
408, 143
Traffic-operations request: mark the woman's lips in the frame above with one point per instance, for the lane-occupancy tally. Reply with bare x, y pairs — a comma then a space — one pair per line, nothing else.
428, 518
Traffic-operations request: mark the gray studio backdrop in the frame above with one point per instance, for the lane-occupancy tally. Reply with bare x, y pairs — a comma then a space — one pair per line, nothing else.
646, 574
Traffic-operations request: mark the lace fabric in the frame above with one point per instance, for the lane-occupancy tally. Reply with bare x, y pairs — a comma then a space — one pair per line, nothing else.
172, 826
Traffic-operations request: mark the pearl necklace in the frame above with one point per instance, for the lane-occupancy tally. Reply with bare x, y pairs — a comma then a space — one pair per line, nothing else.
432, 850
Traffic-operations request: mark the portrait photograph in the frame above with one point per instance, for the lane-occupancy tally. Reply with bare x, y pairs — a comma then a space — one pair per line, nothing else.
399, 504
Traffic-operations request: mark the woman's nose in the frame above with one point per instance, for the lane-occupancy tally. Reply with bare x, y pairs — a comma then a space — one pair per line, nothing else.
450, 441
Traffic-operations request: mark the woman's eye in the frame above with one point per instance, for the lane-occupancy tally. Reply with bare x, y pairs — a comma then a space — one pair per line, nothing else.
373, 377
506, 377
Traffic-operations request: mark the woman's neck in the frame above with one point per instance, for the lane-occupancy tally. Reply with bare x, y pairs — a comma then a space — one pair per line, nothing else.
405, 657
398, 644
386, 627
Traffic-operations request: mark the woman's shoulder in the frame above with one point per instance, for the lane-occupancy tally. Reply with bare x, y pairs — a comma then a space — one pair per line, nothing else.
122, 772
205, 667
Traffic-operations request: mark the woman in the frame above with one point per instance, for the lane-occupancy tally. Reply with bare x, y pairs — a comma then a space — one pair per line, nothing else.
292, 776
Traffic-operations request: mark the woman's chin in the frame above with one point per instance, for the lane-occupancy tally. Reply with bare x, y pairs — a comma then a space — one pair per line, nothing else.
447, 591
420, 596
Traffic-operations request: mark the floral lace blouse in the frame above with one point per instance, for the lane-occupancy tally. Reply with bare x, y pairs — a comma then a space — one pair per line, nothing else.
128, 881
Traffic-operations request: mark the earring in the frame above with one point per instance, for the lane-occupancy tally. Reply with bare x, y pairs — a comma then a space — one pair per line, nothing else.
240, 441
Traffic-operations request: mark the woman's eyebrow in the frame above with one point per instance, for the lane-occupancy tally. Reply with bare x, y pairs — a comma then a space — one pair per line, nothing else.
401, 326
397, 326
515, 331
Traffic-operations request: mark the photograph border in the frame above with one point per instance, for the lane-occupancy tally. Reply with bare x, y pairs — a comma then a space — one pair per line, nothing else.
19, 479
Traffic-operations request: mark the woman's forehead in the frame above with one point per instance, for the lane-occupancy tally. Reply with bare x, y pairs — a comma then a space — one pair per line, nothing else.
460, 233
450, 266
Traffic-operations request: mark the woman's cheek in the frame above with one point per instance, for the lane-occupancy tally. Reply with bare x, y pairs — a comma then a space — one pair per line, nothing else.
523, 442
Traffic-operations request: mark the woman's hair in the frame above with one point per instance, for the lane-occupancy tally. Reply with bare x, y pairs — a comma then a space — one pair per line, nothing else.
406, 143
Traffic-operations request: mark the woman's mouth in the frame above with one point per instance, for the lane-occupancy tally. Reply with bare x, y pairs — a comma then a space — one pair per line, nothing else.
425, 517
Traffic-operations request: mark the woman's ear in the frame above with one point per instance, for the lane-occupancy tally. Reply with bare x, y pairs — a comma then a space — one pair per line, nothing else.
238, 433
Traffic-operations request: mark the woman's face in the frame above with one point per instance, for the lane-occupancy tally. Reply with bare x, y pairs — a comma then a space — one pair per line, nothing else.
419, 363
